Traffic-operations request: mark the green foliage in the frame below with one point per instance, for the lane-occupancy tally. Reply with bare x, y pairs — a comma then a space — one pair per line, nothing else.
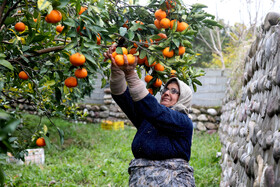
207, 170
91, 156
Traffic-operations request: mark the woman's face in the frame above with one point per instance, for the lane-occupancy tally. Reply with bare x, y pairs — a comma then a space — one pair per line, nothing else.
167, 98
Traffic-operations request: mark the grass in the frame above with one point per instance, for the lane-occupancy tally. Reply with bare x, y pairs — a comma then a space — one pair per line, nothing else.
91, 156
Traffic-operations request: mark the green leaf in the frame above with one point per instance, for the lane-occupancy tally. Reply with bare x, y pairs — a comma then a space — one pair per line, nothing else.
10, 20
70, 22
7, 64
61, 135
212, 23
104, 82
198, 5
197, 82
119, 50
10, 127
123, 31
43, 4
130, 35
2, 55
143, 53
176, 42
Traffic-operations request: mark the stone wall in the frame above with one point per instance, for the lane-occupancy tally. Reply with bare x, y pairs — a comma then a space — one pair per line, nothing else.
250, 124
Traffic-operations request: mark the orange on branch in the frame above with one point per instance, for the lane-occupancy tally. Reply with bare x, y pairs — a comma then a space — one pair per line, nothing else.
132, 51
54, 16
98, 39
148, 78
160, 14
173, 73
82, 10
165, 23
181, 50
168, 4
125, 24
159, 67
157, 83
151, 91
141, 23
147, 64
119, 60
40, 142
142, 60
157, 24
81, 73
77, 59
20, 27
22, 75
71, 82
59, 28
162, 36
35, 20
168, 53
172, 23
147, 45
124, 50
182, 26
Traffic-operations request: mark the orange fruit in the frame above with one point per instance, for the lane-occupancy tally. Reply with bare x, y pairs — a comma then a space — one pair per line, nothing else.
23, 75
168, 53
172, 23
165, 23
182, 26
71, 82
78, 30
157, 24
81, 73
119, 60
142, 60
151, 91
48, 21
140, 23
40, 142
147, 45
77, 59
173, 73
114, 54
162, 36
59, 28
130, 59
82, 10
147, 64
148, 78
54, 16
132, 51
181, 50
168, 4
35, 20
98, 39
125, 24
20, 26
157, 83
160, 14
159, 67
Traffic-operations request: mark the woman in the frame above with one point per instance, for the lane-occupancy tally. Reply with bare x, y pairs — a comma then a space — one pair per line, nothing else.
162, 144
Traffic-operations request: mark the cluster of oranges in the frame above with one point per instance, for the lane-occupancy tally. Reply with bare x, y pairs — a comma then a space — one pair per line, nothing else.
76, 59
119, 58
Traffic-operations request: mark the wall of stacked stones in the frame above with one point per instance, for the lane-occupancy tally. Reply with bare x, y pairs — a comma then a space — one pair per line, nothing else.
250, 124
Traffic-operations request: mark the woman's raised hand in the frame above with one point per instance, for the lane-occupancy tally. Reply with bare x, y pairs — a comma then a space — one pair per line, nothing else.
128, 67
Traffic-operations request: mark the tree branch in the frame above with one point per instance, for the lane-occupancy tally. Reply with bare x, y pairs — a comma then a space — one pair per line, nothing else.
8, 12
2, 8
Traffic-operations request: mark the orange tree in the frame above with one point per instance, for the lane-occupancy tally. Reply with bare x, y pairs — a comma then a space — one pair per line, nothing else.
51, 50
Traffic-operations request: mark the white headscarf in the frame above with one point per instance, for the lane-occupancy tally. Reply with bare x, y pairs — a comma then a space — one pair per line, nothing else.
184, 101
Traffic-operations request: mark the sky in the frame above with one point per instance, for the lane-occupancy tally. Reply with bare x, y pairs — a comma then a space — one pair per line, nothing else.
233, 11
